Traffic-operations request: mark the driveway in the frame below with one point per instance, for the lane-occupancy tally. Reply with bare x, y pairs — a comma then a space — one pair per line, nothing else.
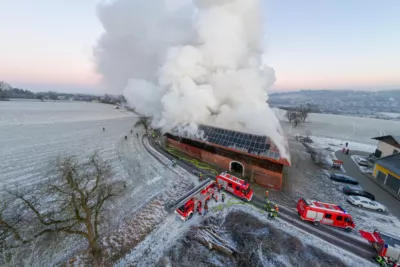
380, 194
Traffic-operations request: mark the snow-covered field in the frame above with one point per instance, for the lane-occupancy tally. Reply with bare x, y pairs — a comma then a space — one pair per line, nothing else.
337, 144
48, 112
342, 128
32, 134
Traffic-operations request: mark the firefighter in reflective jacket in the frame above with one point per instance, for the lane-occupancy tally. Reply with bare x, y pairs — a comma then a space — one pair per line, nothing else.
219, 188
273, 212
266, 194
200, 176
380, 260
267, 206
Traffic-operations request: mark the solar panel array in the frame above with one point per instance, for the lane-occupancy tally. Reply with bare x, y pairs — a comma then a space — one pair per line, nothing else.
249, 143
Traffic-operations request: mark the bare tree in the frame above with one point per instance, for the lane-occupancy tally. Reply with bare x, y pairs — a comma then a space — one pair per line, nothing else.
4, 86
289, 115
3, 89
296, 121
143, 121
70, 203
304, 111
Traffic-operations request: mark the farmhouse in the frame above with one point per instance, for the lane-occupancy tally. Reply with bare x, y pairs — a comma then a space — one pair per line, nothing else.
246, 155
387, 145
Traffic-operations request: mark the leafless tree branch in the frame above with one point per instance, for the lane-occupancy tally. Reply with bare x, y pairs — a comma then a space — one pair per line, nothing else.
70, 202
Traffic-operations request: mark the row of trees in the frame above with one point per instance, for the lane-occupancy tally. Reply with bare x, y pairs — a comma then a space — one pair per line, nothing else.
7, 92
297, 115
71, 201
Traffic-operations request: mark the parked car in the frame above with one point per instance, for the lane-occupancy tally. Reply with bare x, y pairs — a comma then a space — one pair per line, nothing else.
363, 202
362, 161
339, 177
357, 192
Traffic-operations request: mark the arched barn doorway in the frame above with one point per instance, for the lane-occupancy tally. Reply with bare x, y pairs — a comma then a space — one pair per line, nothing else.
236, 168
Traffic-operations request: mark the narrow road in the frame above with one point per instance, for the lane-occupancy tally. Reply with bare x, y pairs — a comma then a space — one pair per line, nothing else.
146, 177
381, 195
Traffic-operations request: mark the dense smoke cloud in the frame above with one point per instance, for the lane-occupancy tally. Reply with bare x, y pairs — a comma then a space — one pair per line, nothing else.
199, 62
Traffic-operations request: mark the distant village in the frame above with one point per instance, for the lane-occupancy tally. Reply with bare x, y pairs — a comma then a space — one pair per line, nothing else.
8, 92
382, 104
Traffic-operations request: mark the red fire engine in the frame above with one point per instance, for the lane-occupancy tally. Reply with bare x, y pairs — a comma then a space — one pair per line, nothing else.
330, 214
235, 186
386, 245
195, 200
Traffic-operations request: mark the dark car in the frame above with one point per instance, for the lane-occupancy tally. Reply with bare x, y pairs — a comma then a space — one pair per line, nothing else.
357, 192
343, 178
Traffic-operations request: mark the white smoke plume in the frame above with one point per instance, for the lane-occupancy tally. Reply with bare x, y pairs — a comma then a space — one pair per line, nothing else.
190, 62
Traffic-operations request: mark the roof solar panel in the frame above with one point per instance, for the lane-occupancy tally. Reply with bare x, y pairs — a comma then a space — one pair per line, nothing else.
253, 144
247, 143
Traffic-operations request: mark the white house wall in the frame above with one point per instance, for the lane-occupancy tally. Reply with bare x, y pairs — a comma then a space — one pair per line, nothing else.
386, 149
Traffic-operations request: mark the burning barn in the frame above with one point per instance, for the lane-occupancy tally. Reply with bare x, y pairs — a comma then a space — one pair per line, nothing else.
246, 155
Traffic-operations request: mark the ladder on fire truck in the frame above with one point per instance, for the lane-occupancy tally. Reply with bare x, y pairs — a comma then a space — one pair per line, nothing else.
191, 193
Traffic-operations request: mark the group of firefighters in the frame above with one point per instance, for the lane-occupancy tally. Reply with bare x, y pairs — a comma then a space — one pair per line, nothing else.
273, 210
215, 197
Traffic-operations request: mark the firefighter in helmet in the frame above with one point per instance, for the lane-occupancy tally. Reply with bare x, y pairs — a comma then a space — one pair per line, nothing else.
266, 194
200, 176
219, 188
223, 197
380, 260
273, 212
267, 205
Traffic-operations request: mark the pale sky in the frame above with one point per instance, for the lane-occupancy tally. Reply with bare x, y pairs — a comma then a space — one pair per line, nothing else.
311, 44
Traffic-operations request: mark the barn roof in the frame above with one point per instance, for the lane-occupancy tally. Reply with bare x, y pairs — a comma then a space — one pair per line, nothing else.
257, 145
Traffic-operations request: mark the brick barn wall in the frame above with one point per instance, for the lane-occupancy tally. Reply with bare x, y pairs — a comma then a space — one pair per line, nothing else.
261, 176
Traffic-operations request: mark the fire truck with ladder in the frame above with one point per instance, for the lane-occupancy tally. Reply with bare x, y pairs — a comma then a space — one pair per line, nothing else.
324, 213
195, 200
235, 186
385, 244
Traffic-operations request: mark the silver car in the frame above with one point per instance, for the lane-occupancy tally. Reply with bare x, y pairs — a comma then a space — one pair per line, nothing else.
363, 202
